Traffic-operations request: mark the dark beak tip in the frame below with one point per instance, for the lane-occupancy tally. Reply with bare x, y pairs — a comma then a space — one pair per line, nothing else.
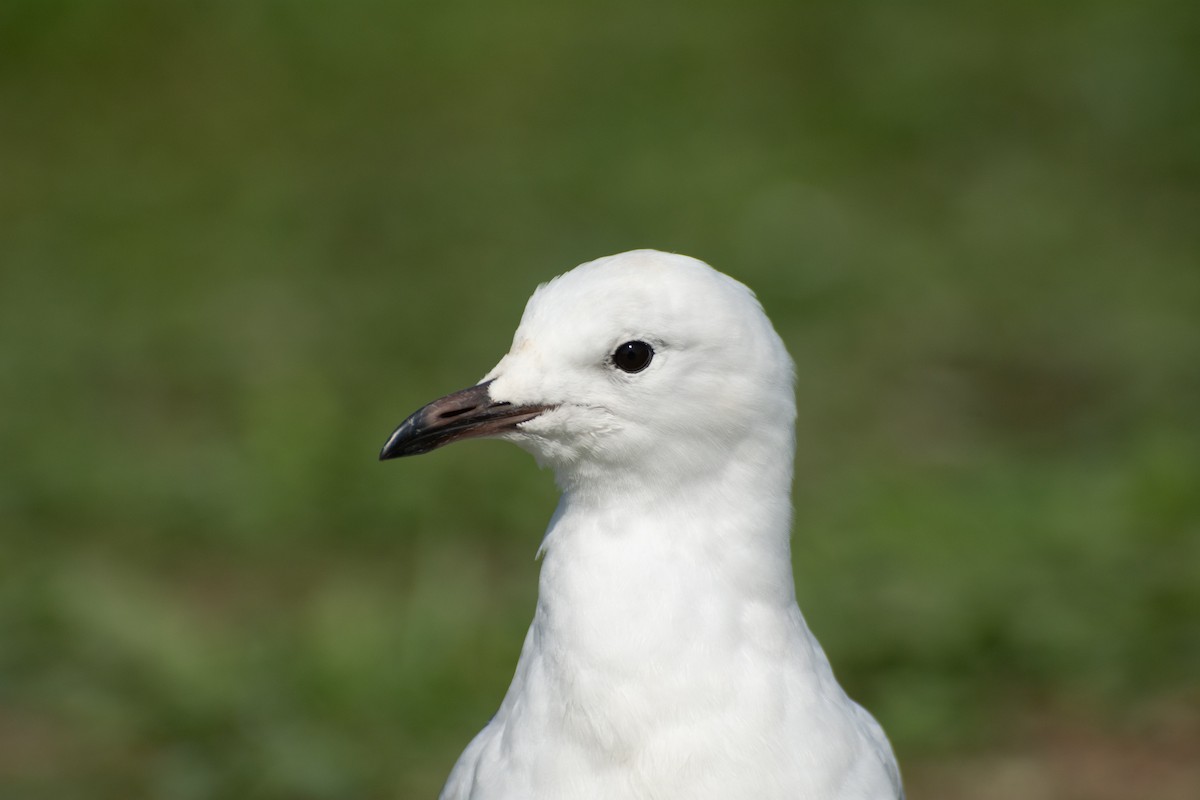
398, 444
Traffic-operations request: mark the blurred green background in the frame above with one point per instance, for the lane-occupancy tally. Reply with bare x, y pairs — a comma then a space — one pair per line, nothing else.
240, 241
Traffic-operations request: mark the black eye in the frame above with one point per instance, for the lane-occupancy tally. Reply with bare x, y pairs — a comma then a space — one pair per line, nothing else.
633, 356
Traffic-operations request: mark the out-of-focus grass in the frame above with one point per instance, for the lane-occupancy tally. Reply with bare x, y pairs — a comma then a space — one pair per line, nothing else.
240, 241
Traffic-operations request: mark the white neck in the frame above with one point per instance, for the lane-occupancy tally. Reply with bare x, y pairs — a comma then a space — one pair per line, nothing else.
650, 599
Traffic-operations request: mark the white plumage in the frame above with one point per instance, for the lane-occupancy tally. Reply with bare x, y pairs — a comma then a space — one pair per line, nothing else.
667, 658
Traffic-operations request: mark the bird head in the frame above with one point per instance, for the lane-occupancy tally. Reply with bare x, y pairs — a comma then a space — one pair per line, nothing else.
638, 365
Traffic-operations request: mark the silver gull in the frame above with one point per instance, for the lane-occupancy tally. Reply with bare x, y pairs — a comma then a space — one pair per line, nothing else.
667, 658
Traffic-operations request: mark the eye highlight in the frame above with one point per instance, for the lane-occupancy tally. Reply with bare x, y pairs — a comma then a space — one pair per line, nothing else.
633, 356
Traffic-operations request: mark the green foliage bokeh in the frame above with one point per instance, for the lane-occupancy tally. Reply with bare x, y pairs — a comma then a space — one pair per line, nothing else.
239, 241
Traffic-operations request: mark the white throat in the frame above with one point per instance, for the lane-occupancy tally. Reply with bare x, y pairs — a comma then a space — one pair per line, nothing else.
652, 597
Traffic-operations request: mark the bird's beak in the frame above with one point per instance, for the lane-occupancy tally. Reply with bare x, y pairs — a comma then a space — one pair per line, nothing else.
467, 414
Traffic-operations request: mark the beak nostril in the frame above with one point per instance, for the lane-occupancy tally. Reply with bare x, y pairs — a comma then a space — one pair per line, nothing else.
456, 412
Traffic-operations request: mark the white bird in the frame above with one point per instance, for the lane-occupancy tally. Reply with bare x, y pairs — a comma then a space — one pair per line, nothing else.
667, 658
